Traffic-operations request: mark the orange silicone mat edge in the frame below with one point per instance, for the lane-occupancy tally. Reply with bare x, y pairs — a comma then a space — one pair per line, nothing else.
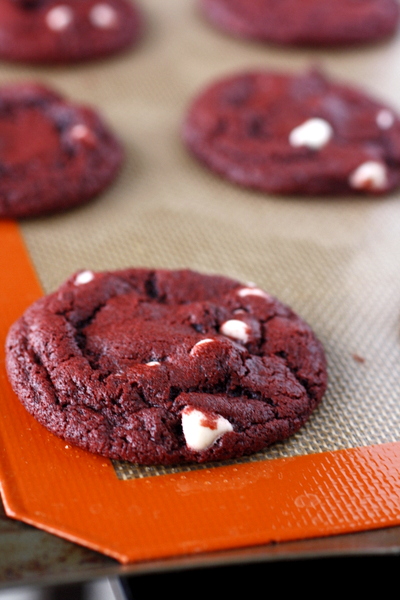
75, 495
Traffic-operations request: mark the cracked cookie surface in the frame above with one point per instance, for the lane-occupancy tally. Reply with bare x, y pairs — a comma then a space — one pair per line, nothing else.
165, 367
54, 154
294, 134
305, 22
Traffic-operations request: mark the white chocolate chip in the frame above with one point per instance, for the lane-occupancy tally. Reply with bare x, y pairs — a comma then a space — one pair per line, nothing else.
201, 343
371, 175
235, 329
103, 16
201, 430
252, 291
79, 131
152, 363
205, 341
82, 133
84, 277
385, 119
59, 17
314, 134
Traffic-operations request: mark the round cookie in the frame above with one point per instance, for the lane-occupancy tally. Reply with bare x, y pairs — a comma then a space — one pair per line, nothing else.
66, 31
165, 367
294, 134
54, 154
305, 22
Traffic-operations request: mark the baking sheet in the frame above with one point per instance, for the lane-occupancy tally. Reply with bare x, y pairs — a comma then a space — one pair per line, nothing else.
335, 261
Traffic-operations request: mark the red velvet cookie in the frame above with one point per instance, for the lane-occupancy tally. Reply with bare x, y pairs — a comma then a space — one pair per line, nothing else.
64, 31
165, 367
305, 22
54, 154
295, 134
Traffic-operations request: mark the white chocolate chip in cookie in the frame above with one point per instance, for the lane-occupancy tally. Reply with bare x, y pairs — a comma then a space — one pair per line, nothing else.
59, 17
314, 134
152, 363
103, 16
82, 133
371, 175
202, 430
385, 119
201, 343
84, 277
252, 291
79, 131
235, 329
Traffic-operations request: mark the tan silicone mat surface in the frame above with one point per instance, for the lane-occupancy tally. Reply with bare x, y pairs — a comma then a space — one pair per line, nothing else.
336, 262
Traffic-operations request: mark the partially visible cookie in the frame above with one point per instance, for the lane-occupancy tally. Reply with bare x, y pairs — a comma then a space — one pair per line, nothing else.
294, 134
305, 22
165, 367
54, 154
65, 31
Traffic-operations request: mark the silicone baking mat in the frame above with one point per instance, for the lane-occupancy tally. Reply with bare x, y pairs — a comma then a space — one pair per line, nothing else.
335, 261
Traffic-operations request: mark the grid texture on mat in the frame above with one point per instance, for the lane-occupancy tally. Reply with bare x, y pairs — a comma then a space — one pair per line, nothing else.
334, 261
